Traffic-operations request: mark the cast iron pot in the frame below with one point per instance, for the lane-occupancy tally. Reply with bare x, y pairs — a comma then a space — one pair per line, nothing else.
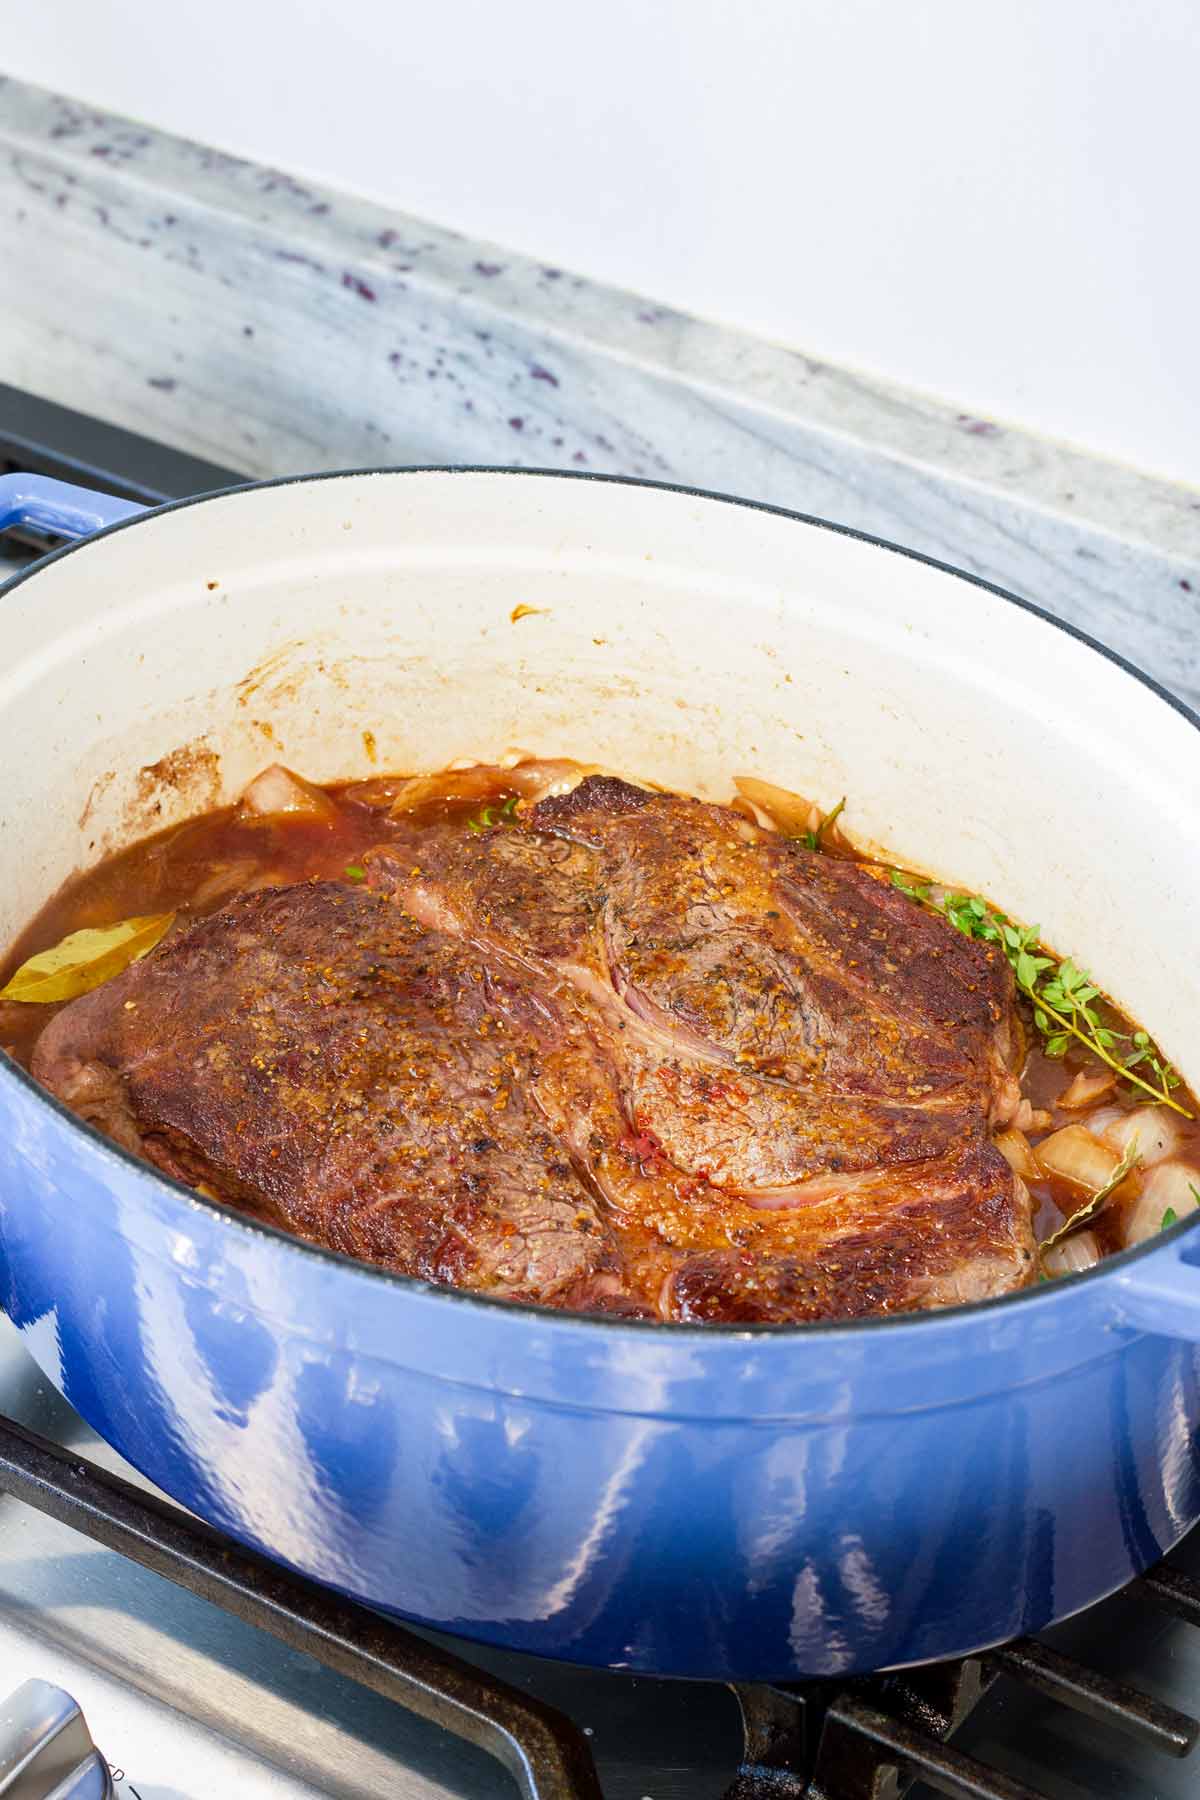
692, 1501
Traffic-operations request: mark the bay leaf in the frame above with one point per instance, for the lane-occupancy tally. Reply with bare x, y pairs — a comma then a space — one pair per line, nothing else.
85, 959
1088, 1211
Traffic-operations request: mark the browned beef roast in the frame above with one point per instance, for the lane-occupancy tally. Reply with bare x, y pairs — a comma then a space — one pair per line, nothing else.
313, 1053
638, 1054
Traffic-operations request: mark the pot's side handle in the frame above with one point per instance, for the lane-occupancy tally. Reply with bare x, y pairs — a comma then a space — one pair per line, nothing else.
58, 507
1161, 1293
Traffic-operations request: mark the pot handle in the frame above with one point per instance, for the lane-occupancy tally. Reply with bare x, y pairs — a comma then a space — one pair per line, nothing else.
58, 507
1160, 1294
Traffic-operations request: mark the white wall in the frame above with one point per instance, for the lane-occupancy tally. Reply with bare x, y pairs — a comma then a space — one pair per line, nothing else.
995, 202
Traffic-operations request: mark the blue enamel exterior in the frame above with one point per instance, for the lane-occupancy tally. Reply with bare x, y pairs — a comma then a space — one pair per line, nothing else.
719, 1503
687, 1502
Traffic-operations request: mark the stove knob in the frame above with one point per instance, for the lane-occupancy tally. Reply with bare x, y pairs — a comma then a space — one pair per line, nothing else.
46, 1750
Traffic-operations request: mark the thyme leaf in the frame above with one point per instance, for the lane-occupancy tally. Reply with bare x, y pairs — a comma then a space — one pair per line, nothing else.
496, 815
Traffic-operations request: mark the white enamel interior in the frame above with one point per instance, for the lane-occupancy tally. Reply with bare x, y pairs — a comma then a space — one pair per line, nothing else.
680, 638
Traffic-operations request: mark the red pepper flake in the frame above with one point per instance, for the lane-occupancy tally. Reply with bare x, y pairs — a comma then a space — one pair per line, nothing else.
525, 612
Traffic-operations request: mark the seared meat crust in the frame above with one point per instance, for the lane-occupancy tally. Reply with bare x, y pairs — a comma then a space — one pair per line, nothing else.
635, 1054
364, 1082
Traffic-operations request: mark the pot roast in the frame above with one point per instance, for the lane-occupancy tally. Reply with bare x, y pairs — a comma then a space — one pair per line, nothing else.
630, 1054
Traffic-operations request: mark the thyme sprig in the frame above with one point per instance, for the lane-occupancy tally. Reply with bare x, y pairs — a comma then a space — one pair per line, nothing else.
812, 839
1064, 999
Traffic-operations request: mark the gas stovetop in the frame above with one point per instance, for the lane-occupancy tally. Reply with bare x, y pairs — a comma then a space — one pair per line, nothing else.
203, 1671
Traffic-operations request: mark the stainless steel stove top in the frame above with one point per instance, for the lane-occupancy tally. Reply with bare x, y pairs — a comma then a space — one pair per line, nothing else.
190, 1702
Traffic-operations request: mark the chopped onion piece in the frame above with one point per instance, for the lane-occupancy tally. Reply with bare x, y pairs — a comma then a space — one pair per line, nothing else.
533, 778
538, 777
1156, 1131
1075, 1154
1104, 1116
1073, 1255
376, 791
477, 782
1007, 1102
778, 809
1085, 1088
280, 792
226, 878
1013, 1146
1167, 1189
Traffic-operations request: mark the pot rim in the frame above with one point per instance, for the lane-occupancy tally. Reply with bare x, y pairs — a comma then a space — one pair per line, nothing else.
1040, 1294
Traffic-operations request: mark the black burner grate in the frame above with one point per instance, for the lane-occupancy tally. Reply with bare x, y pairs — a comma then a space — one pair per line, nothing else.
848, 1741
865, 1739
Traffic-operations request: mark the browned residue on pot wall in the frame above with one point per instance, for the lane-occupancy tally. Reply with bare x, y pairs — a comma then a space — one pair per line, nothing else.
96, 793
191, 773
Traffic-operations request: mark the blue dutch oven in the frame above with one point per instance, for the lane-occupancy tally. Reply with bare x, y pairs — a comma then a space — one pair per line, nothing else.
717, 1501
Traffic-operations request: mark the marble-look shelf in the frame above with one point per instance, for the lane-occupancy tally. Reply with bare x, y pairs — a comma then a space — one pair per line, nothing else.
250, 319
